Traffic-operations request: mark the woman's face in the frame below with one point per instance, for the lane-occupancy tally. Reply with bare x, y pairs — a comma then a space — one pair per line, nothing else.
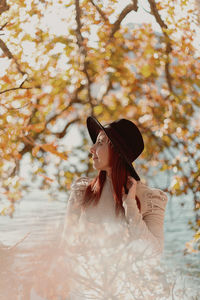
100, 152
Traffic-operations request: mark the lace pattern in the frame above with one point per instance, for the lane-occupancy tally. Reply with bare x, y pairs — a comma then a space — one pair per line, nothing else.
147, 225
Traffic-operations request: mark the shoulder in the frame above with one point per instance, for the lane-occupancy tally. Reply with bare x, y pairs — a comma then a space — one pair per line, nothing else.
78, 188
151, 198
80, 183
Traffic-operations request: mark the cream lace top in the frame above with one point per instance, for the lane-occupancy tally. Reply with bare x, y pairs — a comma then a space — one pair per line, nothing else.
146, 225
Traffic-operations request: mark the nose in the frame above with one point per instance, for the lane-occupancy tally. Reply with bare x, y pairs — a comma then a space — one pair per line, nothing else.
92, 149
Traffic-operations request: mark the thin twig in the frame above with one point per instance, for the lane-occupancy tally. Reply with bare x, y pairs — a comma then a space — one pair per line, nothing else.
102, 14
2, 27
19, 242
17, 88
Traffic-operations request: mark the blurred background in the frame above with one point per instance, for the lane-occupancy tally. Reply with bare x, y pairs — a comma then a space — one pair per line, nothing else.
61, 61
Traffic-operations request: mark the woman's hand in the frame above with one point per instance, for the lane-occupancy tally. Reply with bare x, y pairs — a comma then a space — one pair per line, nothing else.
131, 185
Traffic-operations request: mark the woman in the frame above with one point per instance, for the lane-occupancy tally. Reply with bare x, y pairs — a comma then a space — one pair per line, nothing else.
112, 235
115, 148
119, 217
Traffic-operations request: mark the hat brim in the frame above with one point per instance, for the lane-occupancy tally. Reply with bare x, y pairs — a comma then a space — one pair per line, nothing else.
94, 127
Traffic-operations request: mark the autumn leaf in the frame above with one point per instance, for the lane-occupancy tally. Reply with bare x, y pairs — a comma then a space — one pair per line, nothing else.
8, 210
46, 177
53, 149
146, 70
190, 248
37, 127
35, 150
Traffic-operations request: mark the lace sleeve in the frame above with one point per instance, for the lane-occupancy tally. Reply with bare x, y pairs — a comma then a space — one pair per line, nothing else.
148, 226
77, 192
73, 210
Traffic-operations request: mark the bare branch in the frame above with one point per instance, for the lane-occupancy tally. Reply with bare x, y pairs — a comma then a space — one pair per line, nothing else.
26, 149
156, 14
168, 49
167, 71
16, 168
16, 108
74, 99
62, 133
135, 3
123, 14
4, 25
83, 52
16, 88
18, 67
109, 87
7, 52
3, 6
78, 21
102, 14
5, 49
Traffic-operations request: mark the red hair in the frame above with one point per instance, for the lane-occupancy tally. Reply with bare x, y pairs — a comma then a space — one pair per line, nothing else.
119, 176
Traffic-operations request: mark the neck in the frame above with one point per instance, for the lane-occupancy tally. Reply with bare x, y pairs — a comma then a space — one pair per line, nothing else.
108, 176
108, 173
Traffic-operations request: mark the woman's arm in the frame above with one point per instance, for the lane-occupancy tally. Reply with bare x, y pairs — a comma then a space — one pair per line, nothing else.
149, 226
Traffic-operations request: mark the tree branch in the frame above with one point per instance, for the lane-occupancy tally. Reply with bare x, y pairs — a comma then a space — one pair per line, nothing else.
123, 14
168, 49
16, 88
74, 99
102, 14
109, 87
156, 14
4, 25
80, 41
135, 3
62, 133
7, 52
3, 6
29, 144
5, 49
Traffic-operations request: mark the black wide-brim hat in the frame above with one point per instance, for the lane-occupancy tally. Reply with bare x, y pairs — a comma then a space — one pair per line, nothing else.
124, 136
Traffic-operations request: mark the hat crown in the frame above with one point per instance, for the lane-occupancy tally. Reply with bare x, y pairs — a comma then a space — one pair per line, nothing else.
129, 137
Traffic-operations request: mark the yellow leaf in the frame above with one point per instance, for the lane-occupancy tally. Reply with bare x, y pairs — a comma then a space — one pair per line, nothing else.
98, 109
146, 70
167, 140
197, 236
164, 167
9, 210
149, 50
176, 186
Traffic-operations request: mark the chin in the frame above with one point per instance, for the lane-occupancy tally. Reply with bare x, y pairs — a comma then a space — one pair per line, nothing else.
96, 167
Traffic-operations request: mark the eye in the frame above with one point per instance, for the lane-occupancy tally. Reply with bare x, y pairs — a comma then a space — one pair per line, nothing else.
99, 142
